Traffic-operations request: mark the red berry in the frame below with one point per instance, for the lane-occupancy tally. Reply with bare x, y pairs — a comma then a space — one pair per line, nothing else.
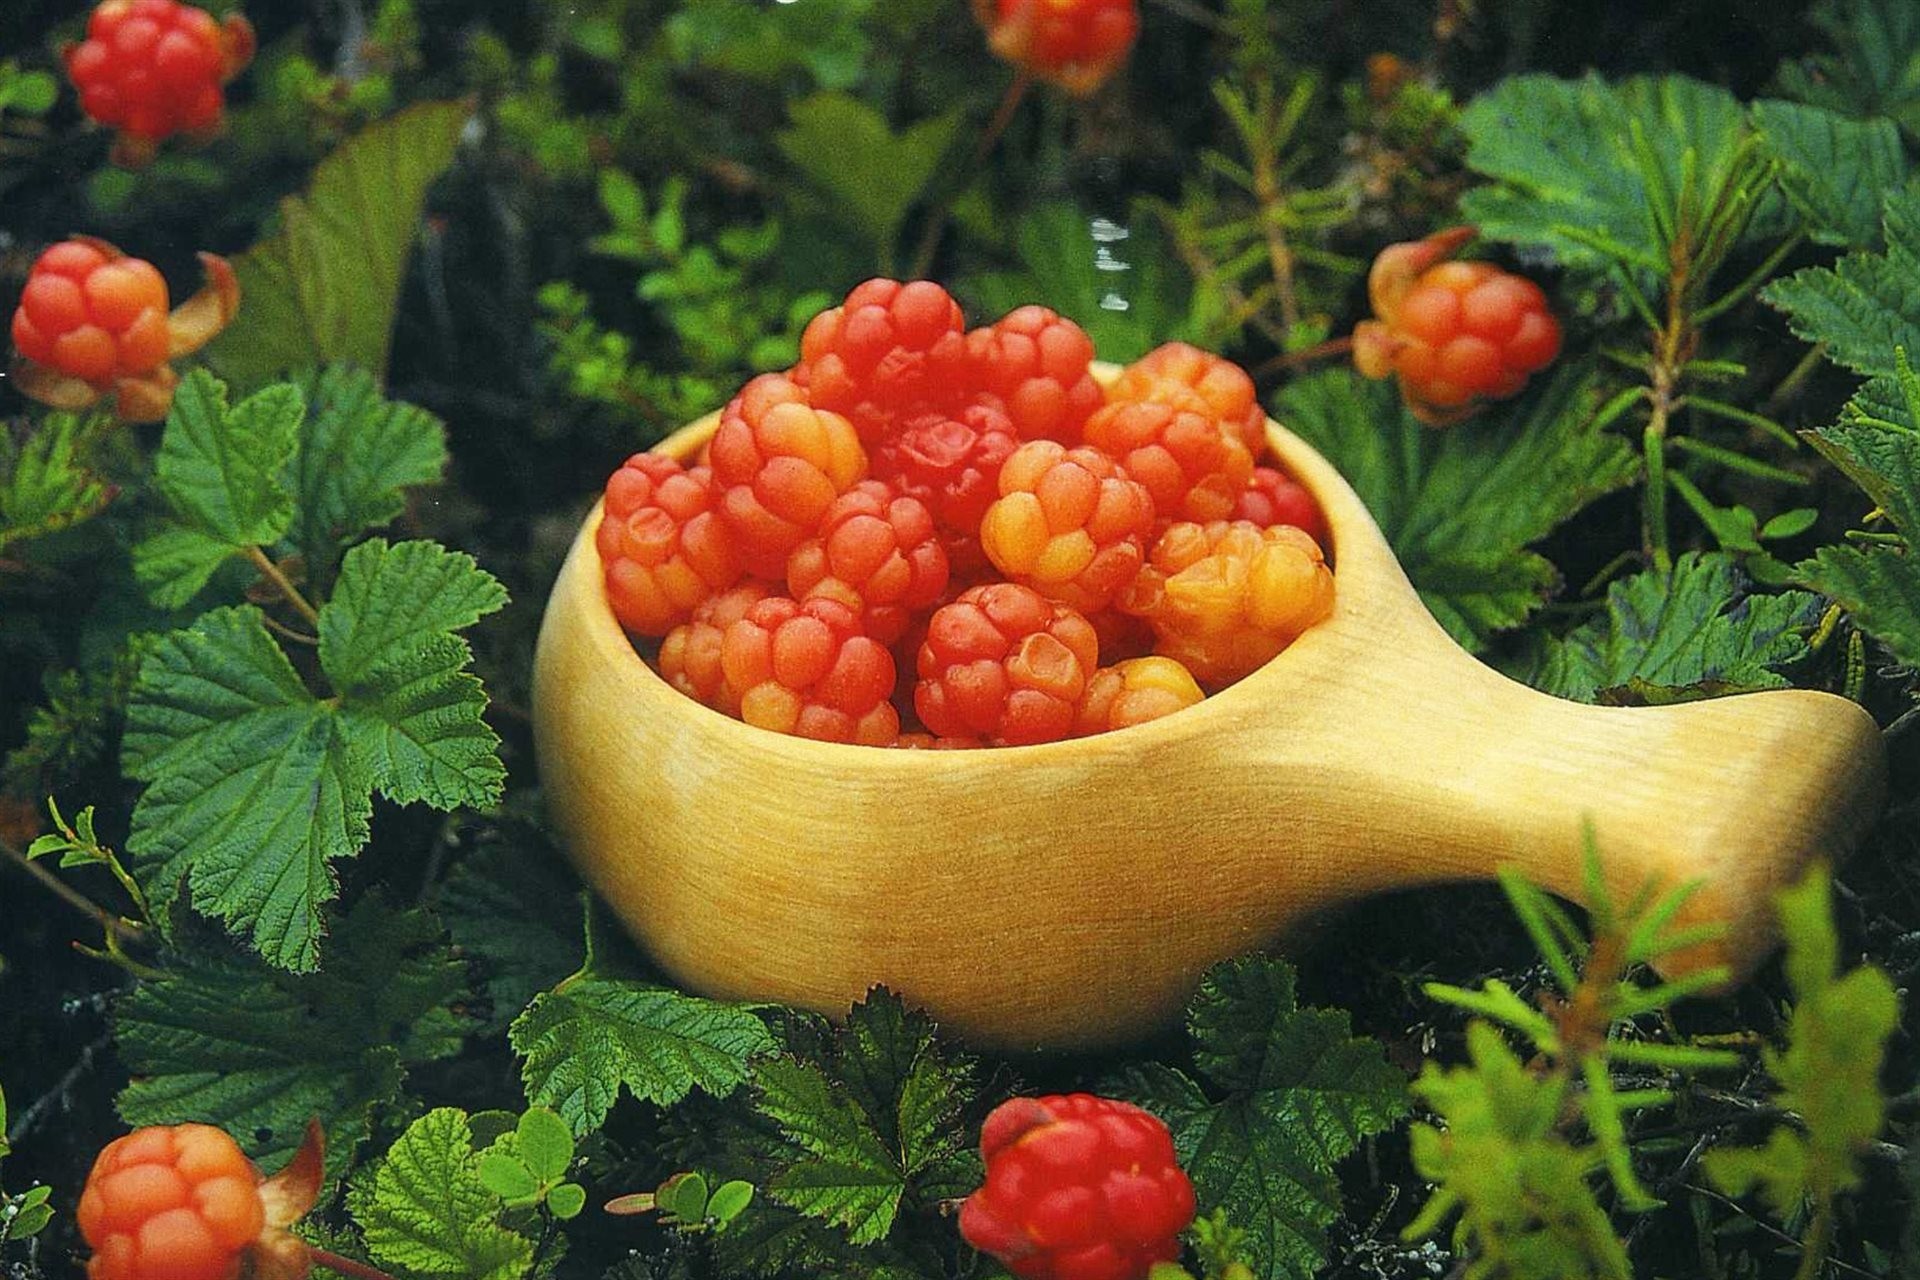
1273, 497
1226, 597
92, 315
889, 349
1456, 334
179, 1203
690, 655
154, 68
664, 546
1074, 43
1077, 1188
1004, 663
929, 742
1038, 363
1194, 465
951, 462
877, 553
1069, 522
1177, 373
806, 669
1134, 692
779, 463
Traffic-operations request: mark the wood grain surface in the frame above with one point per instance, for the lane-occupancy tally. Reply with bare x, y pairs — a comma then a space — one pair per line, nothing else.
1071, 894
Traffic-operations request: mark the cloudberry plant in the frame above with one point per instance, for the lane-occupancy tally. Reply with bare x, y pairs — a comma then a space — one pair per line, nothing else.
1039, 365
878, 554
93, 322
951, 462
1078, 1187
780, 463
1077, 44
1004, 663
154, 68
663, 544
1456, 334
888, 349
1069, 522
1134, 692
807, 669
1194, 466
1179, 373
1226, 597
690, 654
183, 1202
1273, 497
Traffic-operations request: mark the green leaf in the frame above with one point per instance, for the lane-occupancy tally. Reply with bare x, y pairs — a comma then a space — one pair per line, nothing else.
1691, 632
507, 1176
324, 286
388, 599
1876, 443
595, 1034
258, 1051
827, 41
220, 471
1864, 306
357, 453
1461, 506
26, 1214
1837, 172
545, 1143
45, 485
1874, 66
1283, 1095
847, 1176
513, 908
1565, 167
729, 1201
425, 1208
567, 1200
870, 174
254, 785
1123, 285
1879, 586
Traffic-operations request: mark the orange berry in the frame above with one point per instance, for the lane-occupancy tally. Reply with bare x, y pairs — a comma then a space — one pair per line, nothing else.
779, 464
1004, 663
170, 1203
1134, 692
1224, 598
1193, 465
663, 547
877, 553
1069, 523
806, 669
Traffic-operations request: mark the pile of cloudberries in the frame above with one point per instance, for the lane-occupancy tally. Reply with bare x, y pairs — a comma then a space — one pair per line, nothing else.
965, 531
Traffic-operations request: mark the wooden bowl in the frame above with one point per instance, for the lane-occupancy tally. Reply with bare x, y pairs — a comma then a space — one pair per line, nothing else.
1072, 893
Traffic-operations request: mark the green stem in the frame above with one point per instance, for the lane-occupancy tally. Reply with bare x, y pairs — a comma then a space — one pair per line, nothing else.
107, 920
1653, 534
1813, 1249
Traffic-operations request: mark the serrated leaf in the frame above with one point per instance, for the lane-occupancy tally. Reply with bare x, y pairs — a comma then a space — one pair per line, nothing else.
1836, 171
870, 173
1877, 444
45, 486
425, 1208
253, 786
324, 286
1879, 586
1127, 290
1562, 155
357, 453
1461, 506
220, 471
847, 1177
512, 906
258, 1051
1691, 632
595, 1034
1874, 66
1864, 306
389, 600
1284, 1094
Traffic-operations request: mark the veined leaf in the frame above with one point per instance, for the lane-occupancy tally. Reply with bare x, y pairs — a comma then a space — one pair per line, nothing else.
45, 486
1836, 171
1879, 586
425, 1208
870, 173
1864, 306
1873, 68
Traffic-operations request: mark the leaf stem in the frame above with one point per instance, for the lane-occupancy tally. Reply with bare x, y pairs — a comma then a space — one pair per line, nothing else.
284, 585
125, 929
345, 1266
937, 218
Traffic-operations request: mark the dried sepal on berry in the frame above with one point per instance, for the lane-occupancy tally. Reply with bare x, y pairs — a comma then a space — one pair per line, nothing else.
93, 322
150, 69
1076, 44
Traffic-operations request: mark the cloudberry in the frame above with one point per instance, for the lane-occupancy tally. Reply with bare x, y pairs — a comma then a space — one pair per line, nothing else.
780, 463
183, 1202
664, 546
1274, 497
93, 321
1077, 1188
1004, 663
1456, 334
950, 460
1069, 522
888, 349
877, 553
690, 655
1134, 692
930, 742
154, 68
1038, 363
1226, 597
1076, 44
1194, 466
1178, 373
806, 669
